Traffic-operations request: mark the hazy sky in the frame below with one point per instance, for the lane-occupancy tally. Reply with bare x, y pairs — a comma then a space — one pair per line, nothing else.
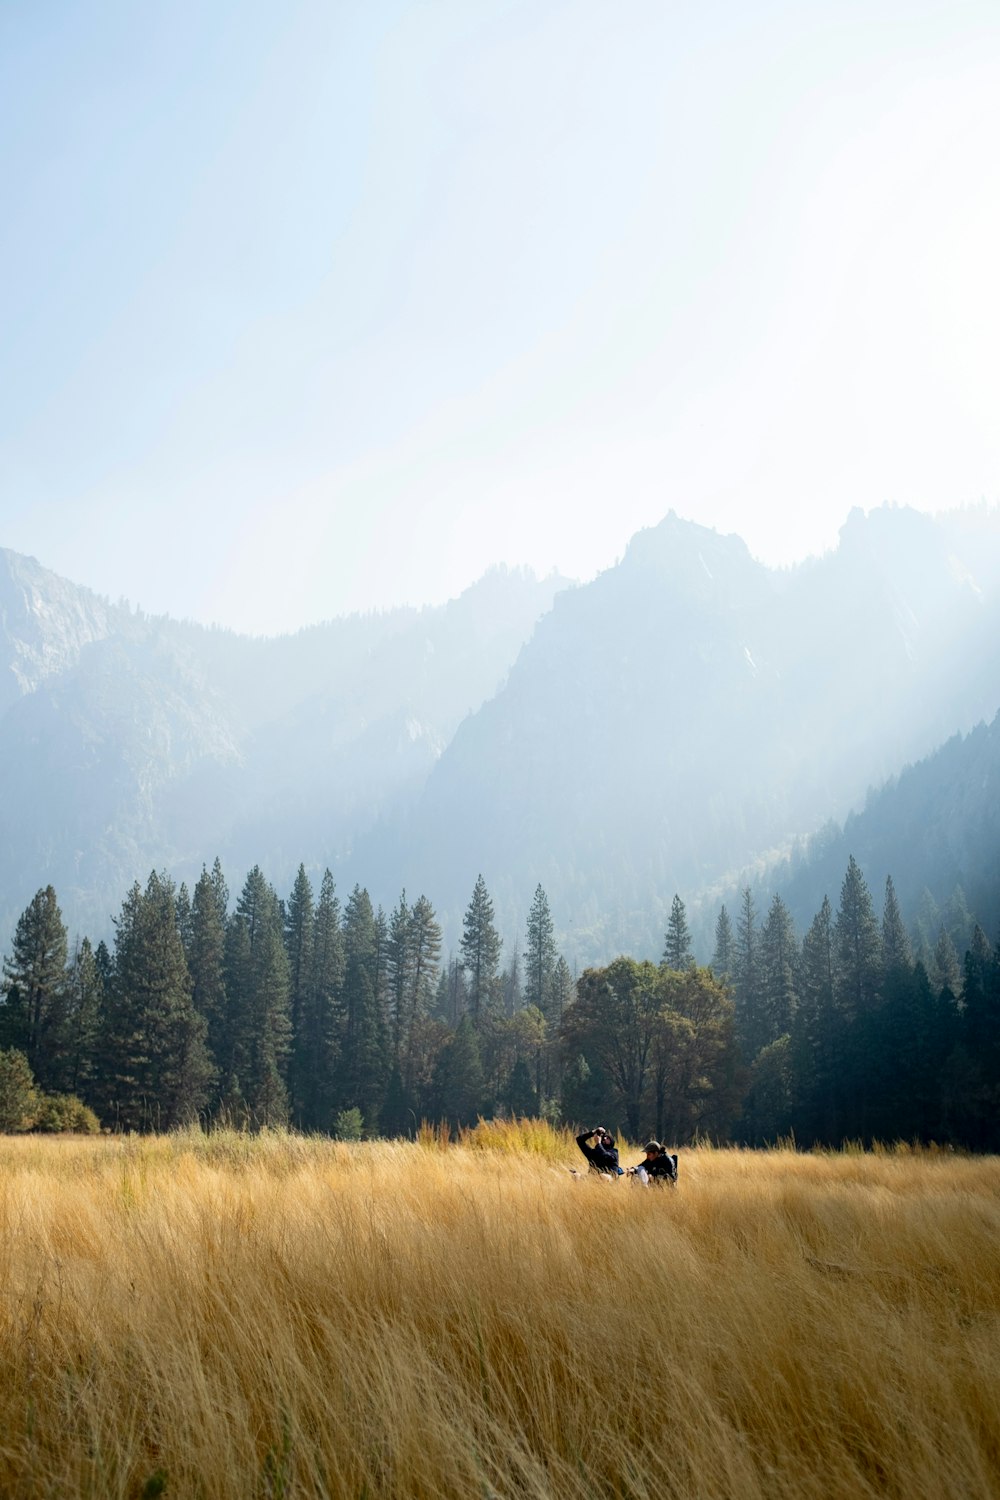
311, 306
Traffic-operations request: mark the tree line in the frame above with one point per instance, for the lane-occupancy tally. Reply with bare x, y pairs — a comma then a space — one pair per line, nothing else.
346, 1019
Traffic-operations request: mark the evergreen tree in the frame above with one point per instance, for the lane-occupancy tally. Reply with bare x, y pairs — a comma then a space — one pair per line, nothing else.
18, 1098
398, 1116
299, 936
818, 1039
767, 1105
909, 1040
751, 1026
183, 904
927, 927
399, 966
957, 920
895, 943
779, 961
947, 971
451, 1002
33, 1015
549, 1079
161, 1072
363, 1073
458, 1080
980, 1038
322, 1021
85, 991
425, 952
723, 959
857, 946
539, 954
206, 958
520, 1097
562, 989
480, 947
257, 988
510, 983
677, 943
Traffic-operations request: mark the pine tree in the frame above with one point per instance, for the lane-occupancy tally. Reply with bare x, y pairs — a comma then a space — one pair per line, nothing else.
399, 965
33, 1016
480, 947
895, 943
562, 990
458, 1077
520, 1097
723, 959
161, 1072
947, 971
549, 1081
322, 1022
957, 920
751, 1029
257, 987
182, 902
510, 983
85, 990
299, 934
677, 943
425, 954
857, 946
539, 954
779, 960
363, 1073
451, 1002
818, 1039
980, 1033
206, 958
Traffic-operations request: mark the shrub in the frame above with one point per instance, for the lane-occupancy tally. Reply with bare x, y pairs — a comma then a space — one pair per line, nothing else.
58, 1114
349, 1125
18, 1100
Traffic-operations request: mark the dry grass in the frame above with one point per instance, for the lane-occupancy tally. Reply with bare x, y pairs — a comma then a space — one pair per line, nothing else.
227, 1317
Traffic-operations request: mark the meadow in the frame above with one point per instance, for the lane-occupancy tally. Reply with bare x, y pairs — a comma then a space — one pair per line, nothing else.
226, 1316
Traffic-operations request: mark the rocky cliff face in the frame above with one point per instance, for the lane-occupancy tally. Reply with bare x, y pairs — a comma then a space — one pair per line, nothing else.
45, 622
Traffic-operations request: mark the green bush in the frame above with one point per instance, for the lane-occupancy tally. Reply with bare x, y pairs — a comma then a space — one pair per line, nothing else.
57, 1114
18, 1099
349, 1125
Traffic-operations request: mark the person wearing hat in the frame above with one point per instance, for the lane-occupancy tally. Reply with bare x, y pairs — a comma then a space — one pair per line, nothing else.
657, 1166
603, 1153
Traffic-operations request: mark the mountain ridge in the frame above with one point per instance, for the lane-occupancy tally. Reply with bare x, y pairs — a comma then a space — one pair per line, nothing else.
672, 720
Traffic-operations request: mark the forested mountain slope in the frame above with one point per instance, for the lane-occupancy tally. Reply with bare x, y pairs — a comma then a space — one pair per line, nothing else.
935, 829
691, 710
128, 742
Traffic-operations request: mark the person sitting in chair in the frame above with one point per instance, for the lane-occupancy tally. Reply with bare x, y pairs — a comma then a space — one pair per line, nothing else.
603, 1154
657, 1166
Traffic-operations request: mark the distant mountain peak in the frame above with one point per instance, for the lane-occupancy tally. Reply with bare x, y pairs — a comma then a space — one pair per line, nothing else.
45, 622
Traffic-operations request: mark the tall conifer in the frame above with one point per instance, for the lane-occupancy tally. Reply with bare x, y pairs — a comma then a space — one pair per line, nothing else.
677, 942
33, 1015
539, 954
480, 947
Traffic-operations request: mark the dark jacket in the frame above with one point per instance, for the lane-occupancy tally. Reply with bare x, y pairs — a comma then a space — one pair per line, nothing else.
662, 1168
601, 1158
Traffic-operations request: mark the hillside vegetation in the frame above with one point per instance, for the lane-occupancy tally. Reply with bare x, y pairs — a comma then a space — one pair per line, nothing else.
228, 1316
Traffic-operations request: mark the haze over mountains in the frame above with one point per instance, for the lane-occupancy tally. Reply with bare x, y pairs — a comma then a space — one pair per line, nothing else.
675, 722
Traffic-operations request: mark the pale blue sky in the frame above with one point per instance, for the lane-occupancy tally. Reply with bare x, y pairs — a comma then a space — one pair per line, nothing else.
308, 307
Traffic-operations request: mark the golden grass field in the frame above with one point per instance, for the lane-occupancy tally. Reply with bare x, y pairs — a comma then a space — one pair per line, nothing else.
225, 1316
